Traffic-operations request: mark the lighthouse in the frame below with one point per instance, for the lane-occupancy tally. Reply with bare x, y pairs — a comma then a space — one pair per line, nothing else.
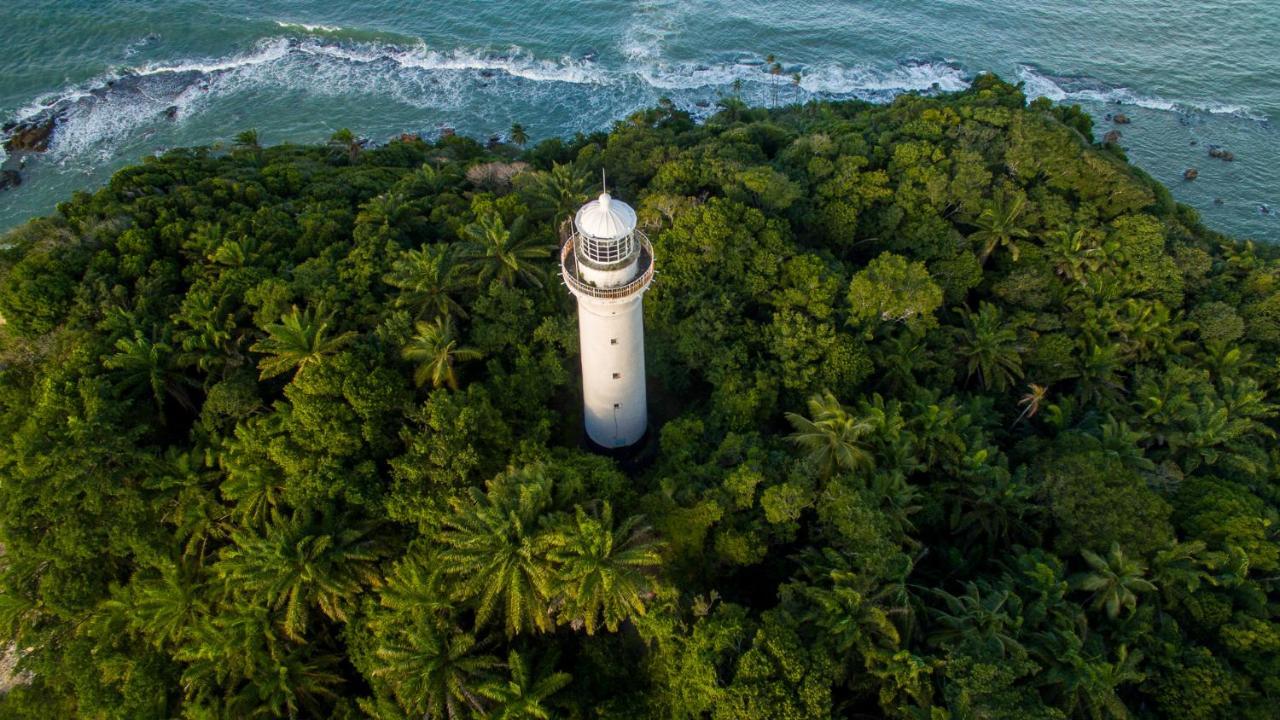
608, 264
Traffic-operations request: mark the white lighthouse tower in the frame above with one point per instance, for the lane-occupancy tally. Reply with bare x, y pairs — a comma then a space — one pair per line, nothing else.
608, 265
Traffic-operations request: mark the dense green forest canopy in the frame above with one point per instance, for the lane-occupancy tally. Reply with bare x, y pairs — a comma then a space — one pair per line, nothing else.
958, 415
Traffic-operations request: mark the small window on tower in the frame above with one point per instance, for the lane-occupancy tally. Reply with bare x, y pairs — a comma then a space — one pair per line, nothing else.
617, 405
617, 376
613, 341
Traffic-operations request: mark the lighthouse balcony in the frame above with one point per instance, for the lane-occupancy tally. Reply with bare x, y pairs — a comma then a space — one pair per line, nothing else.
574, 277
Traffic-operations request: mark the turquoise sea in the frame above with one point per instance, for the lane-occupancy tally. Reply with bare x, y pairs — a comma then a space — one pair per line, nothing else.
132, 78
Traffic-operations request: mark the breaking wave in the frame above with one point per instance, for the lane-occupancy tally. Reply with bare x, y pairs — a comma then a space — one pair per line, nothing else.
96, 118
1075, 89
307, 27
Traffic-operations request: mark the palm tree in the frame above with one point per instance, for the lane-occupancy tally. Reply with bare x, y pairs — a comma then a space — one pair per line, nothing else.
1100, 366
1076, 256
297, 685
254, 491
998, 224
148, 366
795, 83
391, 218
247, 141
979, 614
494, 553
414, 594
1086, 687
163, 609
899, 499
524, 695
1114, 580
733, 106
852, 614
346, 143
604, 571
1182, 568
299, 340
518, 134
1116, 439
774, 69
197, 518
991, 505
435, 349
989, 346
427, 280
300, 562
1031, 401
498, 253
831, 436
434, 671
558, 193
210, 340
900, 356
225, 648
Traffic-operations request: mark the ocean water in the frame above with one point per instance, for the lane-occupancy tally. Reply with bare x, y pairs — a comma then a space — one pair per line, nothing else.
133, 78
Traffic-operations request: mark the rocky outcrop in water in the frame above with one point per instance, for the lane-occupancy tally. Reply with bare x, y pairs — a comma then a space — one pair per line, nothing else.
1191, 174
9, 179
1111, 138
31, 135
1121, 119
1219, 153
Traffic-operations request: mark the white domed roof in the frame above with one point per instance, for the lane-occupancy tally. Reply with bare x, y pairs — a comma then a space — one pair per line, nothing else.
606, 218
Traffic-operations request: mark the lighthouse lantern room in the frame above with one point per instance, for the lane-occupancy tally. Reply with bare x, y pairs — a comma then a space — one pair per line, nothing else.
608, 264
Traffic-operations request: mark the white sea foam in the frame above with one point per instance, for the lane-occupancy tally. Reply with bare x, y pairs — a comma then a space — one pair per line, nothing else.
515, 61
99, 116
652, 23
308, 27
910, 76
1058, 89
114, 105
830, 80
266, 52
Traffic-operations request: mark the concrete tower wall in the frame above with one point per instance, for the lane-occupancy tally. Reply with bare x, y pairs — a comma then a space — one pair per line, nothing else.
613, 387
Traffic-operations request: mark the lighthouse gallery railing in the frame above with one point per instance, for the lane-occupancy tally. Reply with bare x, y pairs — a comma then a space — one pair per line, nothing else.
568, 271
